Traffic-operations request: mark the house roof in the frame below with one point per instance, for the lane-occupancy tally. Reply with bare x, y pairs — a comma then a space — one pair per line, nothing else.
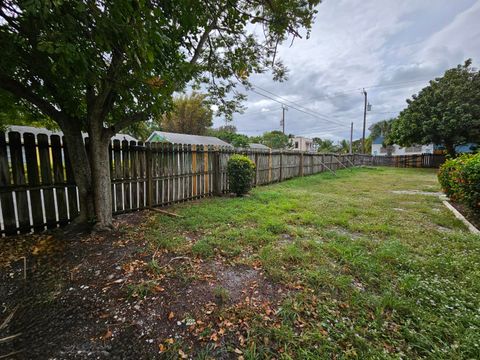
175, 138
258, 146
300, 137
37, 131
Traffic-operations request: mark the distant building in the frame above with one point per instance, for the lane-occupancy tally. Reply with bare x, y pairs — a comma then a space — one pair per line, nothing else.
37, 131
459, 149
185, 139
301, 143
258, 146
378, 149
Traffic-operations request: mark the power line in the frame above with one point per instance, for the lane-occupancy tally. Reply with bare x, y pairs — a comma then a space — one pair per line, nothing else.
352, 90
346, 92
290, 101
294, 107
300, 110
385, 112
315, 128
296, 104
395, 84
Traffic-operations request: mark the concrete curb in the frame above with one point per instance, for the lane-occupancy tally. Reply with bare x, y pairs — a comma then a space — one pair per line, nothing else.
459, 216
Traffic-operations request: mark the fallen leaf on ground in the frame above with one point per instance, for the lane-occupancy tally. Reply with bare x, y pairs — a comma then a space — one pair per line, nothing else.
107, 335
182, 354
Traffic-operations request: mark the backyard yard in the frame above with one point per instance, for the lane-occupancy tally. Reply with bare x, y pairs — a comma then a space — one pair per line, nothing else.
365, 264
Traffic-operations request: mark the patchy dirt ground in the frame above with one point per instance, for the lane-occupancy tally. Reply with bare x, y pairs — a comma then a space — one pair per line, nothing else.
76, 296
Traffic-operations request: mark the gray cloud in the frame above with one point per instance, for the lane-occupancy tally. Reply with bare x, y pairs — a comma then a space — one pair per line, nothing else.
392, 48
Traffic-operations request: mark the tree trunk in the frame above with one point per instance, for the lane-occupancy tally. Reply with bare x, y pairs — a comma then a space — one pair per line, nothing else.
101, 182
81, 170
450, 149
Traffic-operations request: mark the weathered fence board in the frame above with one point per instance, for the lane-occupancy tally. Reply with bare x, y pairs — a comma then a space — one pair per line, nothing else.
9, 225
59, 180
38, 191
33, 180
70, 184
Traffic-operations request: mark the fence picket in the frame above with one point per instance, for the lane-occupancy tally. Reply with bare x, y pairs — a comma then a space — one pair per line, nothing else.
18, 176
70, 183
59, 179
117, 176
126, 174
47, 183
6, 197
33, 180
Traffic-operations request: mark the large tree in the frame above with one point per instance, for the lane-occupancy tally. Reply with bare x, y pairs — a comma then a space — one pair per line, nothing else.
101, 66
324, 145
275, 140
191, 114
381, 128
446, 112
229, 134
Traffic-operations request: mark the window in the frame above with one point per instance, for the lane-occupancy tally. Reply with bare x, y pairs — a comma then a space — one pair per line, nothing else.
296, 144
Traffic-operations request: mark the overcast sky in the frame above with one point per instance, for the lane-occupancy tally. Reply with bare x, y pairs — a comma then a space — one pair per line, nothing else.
389, 47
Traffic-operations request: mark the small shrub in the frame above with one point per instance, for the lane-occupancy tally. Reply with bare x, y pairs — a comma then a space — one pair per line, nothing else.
470, 182
241, 171
448, 176
460, 179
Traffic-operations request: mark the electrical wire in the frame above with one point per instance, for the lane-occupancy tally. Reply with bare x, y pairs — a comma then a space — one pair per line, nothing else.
296, 104
346, 92
295, 108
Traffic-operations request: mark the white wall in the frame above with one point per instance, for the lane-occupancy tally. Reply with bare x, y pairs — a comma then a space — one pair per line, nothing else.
304, 144
397, 150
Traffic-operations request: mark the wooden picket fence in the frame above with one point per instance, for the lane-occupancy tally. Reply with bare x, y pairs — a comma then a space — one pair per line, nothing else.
410, 161
38, 191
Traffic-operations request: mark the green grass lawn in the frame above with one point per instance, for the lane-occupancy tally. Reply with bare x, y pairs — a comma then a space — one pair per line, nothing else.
374, 274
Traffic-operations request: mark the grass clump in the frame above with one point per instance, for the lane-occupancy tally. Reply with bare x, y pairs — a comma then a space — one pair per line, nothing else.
142, 289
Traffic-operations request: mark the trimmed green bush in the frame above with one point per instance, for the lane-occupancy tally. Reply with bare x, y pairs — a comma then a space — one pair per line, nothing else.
448, 176
460, 179
470, 184
241, 171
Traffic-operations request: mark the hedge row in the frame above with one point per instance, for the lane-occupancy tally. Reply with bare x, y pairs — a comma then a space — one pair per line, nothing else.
460, 179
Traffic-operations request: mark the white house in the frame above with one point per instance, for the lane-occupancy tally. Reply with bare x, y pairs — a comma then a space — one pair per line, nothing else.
379, 150
301, 143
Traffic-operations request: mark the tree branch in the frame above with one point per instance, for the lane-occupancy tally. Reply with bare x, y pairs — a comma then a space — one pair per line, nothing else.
16, 88
126, 121
98, 104
201, 43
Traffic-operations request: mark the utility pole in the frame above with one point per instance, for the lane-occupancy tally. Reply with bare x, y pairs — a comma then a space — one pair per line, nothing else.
351, 137
364, 121
283, 118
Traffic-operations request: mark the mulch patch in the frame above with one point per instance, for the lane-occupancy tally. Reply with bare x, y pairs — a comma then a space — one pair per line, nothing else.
470, 215
110, 296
